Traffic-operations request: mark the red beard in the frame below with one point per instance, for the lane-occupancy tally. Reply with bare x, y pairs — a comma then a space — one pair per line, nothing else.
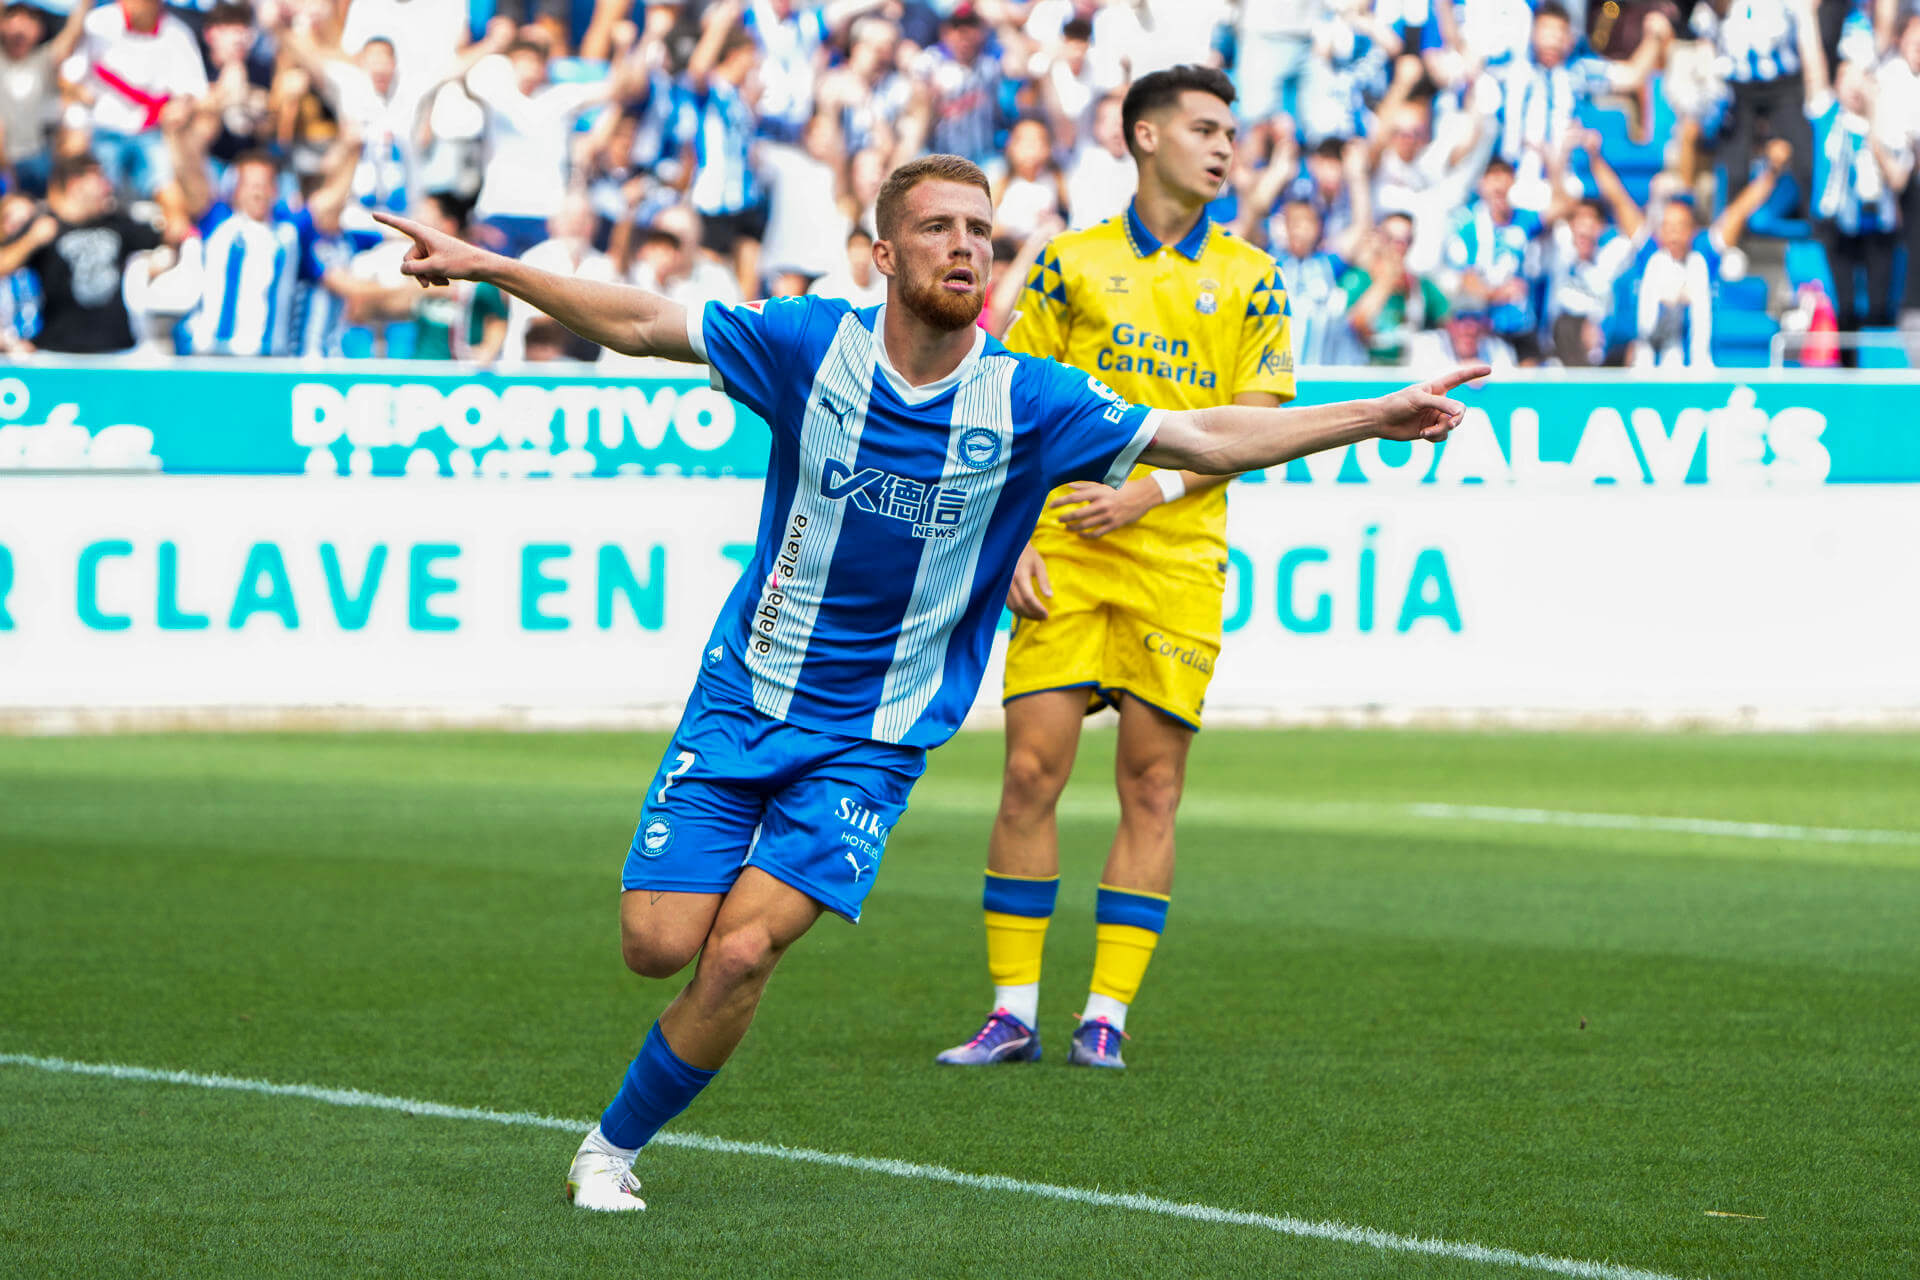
940, 307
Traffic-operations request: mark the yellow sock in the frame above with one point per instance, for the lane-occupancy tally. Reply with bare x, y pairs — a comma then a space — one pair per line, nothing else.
1014, 944
1120, 956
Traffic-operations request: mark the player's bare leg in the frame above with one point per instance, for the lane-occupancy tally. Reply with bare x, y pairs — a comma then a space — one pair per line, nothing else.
662, 931
758, 920
1023, 873
1150, 770
1043, 736
739, 938
1149, 773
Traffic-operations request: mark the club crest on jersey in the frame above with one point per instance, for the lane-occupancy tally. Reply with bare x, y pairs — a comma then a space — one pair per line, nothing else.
979, 448
1208, 302
656, 837
929, 510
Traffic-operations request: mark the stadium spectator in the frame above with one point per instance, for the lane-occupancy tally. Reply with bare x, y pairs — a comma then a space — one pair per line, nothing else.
1862, 162
720, 125
79, 250
1543, 86
1899, 80
865, 172
806, 225
1420, 174
530, 122
867, 92
1333, 180
630, 160
1068, 82
19, 289
1758, 46
465, 321
567, 251
1031, 189
859, 282
793, 39
1673, 325
140, 60
30, 91
960, 79
1100, 178
1467, 334
668, 262
1313, 278
1387, 301
1353, 52
1491, 263
1272, 43
251, 251
241, 62
426, 36
330, 288
365, 93
1587, 258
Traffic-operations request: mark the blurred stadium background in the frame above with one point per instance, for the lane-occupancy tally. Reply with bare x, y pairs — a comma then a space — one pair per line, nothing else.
1551, 876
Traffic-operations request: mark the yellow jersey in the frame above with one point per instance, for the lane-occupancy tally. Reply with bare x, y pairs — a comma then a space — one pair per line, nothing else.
1174, 326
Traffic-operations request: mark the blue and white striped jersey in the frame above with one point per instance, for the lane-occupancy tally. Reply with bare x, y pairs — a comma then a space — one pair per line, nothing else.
1498, 253
319, 325
893, 515
20, 303
1849, 189
721, 127
246, 299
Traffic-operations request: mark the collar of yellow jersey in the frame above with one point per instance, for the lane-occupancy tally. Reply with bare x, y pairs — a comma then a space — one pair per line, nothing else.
1142, 241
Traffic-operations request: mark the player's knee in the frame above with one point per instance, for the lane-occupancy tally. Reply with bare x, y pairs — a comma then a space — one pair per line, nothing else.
739, 957
1034, 780
1150, 790
656, 955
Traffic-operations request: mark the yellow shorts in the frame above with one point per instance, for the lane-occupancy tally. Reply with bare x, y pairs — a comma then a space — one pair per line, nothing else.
1113, 630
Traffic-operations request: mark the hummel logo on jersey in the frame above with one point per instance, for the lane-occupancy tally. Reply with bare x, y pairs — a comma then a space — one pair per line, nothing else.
1116, 284
931, 510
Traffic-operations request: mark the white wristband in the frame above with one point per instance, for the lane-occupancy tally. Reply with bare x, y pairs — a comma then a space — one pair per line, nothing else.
1173, 486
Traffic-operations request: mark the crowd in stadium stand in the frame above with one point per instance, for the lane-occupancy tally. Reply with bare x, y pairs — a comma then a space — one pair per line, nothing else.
1640, 182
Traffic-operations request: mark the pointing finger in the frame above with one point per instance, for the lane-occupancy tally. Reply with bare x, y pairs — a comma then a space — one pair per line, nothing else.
1463, 374
405, 225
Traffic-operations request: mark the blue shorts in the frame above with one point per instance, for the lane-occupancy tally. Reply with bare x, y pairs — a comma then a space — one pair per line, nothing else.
739, 789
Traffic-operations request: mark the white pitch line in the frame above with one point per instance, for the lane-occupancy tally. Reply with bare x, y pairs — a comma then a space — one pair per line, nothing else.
1684, 826
1341, 1232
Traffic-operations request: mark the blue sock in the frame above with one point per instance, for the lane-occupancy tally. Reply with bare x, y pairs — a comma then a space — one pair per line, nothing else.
658, 1087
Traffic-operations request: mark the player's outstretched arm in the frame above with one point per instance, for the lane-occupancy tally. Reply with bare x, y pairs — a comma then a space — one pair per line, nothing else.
1231, 437
631, 321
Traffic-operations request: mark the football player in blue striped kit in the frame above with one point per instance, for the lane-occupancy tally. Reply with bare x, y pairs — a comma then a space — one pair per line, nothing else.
911, 455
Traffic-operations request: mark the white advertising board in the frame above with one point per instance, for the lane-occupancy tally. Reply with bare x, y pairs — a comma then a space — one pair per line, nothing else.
585, 598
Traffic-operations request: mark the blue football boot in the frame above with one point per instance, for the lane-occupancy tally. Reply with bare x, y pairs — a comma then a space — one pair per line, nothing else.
1096, 1043
1004, 1038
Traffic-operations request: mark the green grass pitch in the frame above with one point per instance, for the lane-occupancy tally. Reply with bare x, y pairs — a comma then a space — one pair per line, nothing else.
1562, 1040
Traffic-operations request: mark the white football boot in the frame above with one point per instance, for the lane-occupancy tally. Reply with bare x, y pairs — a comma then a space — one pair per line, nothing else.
601, 1179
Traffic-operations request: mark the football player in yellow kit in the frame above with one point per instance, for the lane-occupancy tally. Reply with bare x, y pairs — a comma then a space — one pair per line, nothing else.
1117, 599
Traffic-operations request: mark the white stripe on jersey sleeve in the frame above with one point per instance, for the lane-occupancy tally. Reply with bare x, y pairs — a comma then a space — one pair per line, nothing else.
944, 581
1122, 464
